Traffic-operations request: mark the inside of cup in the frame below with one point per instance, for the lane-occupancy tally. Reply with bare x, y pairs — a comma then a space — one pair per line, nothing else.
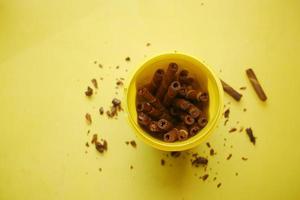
196, 69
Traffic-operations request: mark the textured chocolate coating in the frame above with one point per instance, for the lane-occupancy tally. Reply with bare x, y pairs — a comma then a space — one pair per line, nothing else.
143, 119
167, 79
194, 129
202, 121
181, 103
156, 80
164, 124
171, 136
171, 93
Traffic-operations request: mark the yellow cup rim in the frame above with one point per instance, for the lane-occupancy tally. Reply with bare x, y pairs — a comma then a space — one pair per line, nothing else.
182, 145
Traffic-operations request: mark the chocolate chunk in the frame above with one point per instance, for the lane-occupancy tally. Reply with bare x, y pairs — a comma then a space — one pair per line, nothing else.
232, 92
212, 152
208, 144
245, 109
133, 143
87, 144
226, 113
116, 102
175, 154
95, 83
88, 118
131, 167
162, 162
199, 161
127, 59
232, 130
89, 91
148, 44
101, 146
256, 85
229, 156
244, 158
204, 177
94, 139
101, 110
119, 83
219, 185
250, 135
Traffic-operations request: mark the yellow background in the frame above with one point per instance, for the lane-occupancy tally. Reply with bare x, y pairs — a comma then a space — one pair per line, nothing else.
47, 50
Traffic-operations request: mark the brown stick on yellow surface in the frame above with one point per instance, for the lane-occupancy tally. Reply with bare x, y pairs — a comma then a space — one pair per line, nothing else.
232, 92
256, 85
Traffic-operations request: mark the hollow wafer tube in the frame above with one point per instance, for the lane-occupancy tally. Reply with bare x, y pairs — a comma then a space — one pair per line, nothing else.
164, 124
194, 111
156, 80
153, 127
171, 136
256, 85
187, 119
182, 134
202, 121
171, 93
194, 129
232, 92
144, 92
167, 79
181, 104
143, 119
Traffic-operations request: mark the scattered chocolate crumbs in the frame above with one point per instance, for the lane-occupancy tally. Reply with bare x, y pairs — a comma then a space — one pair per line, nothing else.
162, 162
133, 143
116, 102
117, 67
245, 109
100, 66
87, 144
219, 185
229, 156
114, 109
225, 122
127, 142
88, 118
241, 129
148, 44
89, 91
250, 135
207, 144
127, 59
232, 130
175, 154
94, 82
226, 113
101, 110
204, 177
120, 83
131, 167
243, 88
94, 139
101, 146
244, 158
212, 152
199, 161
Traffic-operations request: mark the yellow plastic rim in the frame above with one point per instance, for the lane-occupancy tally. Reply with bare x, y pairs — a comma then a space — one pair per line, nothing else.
203, 74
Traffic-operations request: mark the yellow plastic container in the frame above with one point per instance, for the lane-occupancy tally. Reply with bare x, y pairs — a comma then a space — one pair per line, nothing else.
201, 72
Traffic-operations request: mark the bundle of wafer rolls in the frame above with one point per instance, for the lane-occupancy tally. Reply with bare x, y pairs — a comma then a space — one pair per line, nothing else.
172, 107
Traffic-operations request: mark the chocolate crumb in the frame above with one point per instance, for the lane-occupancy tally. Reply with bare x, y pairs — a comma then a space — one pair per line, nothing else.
100, 66
199, 161
162, 162
116, 102
127, 142
207, 144
89, 91
244, 158
245, 109
95, 62
215, 178
87, 144
219, 185
232, 130
101, 110
127, 59
94, 139
101, 78
236, 173
229, 156
88, 132
117, 67
243, 88
131, 167
94, 82
241, 129
212, 152
250, 135
120, 83
231, 146
175, 154
148, 44
225, 122
123, 79
133, 143
226, 113
100, 169
88, 118
101, 146
204, 177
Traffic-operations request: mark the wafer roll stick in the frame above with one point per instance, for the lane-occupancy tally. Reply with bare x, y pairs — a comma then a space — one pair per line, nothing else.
164, 124
181, 104
194, 129
144, 92
256, 85
167, 79
143, 119
156, 81
171, 93
171, 136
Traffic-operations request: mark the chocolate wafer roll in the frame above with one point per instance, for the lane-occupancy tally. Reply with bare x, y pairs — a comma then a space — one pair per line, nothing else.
194, 129
153, 127
156, 80
187, 119
182, 134
144, 92
171, 136
194, 111
202, 121
143, 119
181, 104
171, 93
165, 115
149, 109
164, 124
196, 95
167, 79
